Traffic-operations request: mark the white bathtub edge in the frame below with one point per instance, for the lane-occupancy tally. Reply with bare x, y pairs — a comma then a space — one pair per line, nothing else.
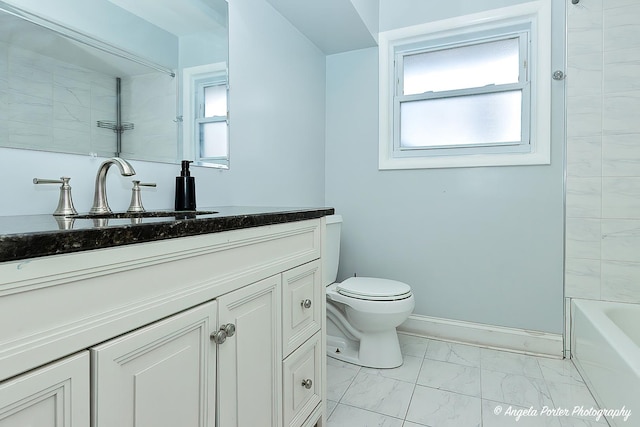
606, 358
490, 336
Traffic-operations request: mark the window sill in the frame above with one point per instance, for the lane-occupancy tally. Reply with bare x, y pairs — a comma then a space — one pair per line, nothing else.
464, 161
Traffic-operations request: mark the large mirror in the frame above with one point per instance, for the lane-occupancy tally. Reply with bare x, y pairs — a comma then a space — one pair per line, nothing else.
141, 79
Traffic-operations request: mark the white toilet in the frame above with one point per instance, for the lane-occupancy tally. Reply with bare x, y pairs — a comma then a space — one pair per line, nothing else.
363, 312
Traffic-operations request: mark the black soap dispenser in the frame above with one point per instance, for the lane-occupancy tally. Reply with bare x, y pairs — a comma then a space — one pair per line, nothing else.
185, 189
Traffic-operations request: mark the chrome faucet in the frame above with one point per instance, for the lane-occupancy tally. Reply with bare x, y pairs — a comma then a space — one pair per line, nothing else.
100, 204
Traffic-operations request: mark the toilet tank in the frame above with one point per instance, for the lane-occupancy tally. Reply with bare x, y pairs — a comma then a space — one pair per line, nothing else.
332, 251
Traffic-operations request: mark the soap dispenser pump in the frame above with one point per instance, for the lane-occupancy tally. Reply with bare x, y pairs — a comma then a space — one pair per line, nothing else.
185, 189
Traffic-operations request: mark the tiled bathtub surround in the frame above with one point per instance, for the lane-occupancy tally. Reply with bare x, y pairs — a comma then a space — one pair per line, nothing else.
603, 151
454, 385
46, 101
49, 101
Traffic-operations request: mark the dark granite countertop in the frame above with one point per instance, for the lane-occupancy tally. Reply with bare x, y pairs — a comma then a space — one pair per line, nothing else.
31, 236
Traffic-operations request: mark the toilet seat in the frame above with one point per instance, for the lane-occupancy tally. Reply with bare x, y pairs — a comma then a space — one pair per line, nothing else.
373, 289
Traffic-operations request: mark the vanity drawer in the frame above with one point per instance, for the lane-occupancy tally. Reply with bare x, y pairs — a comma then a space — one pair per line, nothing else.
302, 385
301, 305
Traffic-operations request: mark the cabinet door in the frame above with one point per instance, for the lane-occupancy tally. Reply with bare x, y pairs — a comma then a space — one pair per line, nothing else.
250, 361
56, 395
162, 375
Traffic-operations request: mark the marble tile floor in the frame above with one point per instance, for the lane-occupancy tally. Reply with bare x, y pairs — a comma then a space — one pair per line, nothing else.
445, 384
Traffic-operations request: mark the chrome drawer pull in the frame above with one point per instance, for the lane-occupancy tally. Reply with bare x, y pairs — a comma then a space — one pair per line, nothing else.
306, 303
307, 383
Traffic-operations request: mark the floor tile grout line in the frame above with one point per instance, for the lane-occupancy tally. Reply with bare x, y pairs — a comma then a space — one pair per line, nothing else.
369, 410
413, 392
481, 392
350, 383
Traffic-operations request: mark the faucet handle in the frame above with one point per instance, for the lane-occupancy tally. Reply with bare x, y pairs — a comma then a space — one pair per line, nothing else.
65, 203
136, 197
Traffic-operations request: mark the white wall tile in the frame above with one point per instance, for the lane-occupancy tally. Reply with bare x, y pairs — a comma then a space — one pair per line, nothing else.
73, 141
71, 117
584, 74
621, 281
621, 155
621, 68
584, 197
612, 4
584, 115
603, 249
583, 238
621, 26
584, 41
29, 109
584, 156
586, 14
620, 113
621, 197
621, 240
582, 278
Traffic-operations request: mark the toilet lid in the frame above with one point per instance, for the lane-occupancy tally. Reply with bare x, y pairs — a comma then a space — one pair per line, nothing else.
374, 289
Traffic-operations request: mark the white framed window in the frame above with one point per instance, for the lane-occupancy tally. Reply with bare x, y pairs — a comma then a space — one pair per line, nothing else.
211, 139
469, 91
205, 115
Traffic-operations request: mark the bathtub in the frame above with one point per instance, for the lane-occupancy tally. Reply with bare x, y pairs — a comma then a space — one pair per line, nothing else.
605, 346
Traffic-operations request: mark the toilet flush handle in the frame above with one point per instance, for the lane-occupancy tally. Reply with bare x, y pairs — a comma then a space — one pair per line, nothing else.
306, 303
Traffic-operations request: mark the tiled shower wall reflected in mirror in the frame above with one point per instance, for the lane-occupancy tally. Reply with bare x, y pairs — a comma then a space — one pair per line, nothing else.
47, 101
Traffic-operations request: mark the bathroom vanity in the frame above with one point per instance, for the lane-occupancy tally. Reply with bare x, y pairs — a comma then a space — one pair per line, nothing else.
216, 320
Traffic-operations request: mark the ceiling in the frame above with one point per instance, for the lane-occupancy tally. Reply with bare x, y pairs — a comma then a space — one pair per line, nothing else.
334, 26
179, 17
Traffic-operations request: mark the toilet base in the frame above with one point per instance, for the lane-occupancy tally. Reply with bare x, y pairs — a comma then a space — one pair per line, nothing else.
375, 350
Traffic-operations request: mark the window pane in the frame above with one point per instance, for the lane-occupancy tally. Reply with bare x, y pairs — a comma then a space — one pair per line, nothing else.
215, 100
463, 67
461, 120
213, 139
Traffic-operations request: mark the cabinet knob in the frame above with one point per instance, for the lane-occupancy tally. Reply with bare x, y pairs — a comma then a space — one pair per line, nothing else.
229, 328
218, 337
223, 333
307, 383
306, 303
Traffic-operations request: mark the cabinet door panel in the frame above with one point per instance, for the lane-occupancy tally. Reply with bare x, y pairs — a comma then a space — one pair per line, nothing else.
162, 375
56, 395
249, 362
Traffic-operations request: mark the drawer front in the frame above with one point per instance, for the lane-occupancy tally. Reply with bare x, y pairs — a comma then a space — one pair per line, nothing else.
301, 305
302, 388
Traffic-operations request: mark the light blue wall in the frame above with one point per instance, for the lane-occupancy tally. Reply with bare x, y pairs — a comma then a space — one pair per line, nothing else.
277, 133
476, 244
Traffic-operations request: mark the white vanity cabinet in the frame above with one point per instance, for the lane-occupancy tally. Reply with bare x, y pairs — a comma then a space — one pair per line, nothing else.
223, 329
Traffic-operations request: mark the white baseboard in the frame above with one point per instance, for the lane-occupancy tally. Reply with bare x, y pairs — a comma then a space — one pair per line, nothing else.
490, 336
